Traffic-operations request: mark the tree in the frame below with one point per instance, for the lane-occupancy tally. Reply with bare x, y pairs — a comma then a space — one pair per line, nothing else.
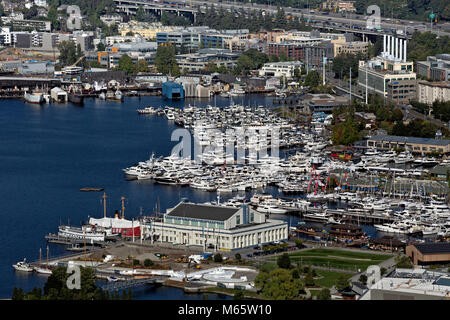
218, 258
363, 278
397, 115
284, 261
309, 280
126, 64
67, 53
136, 262
403, 262
141, 66
237, 256
324, 294
165, 60
278, 285
342, 282
17, 294
299, 243
101, 46
148, 263
312, 79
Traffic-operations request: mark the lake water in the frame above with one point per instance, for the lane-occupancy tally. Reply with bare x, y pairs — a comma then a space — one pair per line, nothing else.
49, 152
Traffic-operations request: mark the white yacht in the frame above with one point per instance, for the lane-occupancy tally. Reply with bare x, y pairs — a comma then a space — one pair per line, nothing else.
23, 266
273, 209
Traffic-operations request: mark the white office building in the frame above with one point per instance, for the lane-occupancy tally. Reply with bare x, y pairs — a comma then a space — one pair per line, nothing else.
224, 228
280, 69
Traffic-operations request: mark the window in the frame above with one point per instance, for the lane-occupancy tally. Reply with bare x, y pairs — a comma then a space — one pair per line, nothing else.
238, 219
252, 216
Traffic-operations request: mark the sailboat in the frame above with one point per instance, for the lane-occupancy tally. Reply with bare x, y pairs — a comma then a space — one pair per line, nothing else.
41, 269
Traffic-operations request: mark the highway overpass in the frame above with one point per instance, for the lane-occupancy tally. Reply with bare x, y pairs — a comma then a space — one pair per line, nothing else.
349, 22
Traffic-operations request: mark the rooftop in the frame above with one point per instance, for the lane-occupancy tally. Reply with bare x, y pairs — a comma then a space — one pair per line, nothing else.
402, 139
203, 212
433, 248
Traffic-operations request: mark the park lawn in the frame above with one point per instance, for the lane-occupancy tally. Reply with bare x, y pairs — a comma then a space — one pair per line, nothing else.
340, 259
329, 278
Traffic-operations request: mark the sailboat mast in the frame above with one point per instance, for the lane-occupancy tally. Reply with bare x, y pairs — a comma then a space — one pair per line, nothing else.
123, 207
104, 204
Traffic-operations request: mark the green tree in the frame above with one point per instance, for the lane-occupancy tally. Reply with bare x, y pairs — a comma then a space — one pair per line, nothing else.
363, 278
237, 256
67, 53
324, 294
402, 261
148, 263
284, 261
278, 285
342, 282
101, 46
141, 66
126, 64
312, 79
299, 243
17, 294
309, 280
165, 61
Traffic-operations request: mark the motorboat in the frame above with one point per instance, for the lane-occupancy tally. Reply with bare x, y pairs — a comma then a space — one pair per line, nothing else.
272, 209
23, 266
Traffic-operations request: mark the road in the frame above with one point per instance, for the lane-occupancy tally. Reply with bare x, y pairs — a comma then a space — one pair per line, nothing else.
333, 20
344, 19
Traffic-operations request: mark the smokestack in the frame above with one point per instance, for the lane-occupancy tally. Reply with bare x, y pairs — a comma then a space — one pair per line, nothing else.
400, 51
396, 48
404, 52
388, 45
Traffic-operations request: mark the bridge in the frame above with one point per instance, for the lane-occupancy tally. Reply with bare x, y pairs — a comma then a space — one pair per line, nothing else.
130, 7
357, 23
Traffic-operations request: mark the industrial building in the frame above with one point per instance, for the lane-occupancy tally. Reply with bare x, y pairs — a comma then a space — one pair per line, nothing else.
413, 144
389, 74
172, 90
429, 253
224, 228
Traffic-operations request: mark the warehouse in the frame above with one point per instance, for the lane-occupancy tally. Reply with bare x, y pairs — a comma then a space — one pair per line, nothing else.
429, 253
172, 90
223, 228
413, 144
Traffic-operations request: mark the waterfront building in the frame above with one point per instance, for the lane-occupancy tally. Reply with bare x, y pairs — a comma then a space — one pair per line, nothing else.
389, 74
224, 228
280, 69
172, 90
28, 67
436, 68
111, 40
413, 144
429, 92
410, 284
323, 102
429, 253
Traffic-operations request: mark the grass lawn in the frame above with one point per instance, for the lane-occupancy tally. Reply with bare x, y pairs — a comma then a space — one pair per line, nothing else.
329, 278
340, 259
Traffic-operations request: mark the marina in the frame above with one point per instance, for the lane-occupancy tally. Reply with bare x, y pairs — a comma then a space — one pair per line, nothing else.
305, 183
